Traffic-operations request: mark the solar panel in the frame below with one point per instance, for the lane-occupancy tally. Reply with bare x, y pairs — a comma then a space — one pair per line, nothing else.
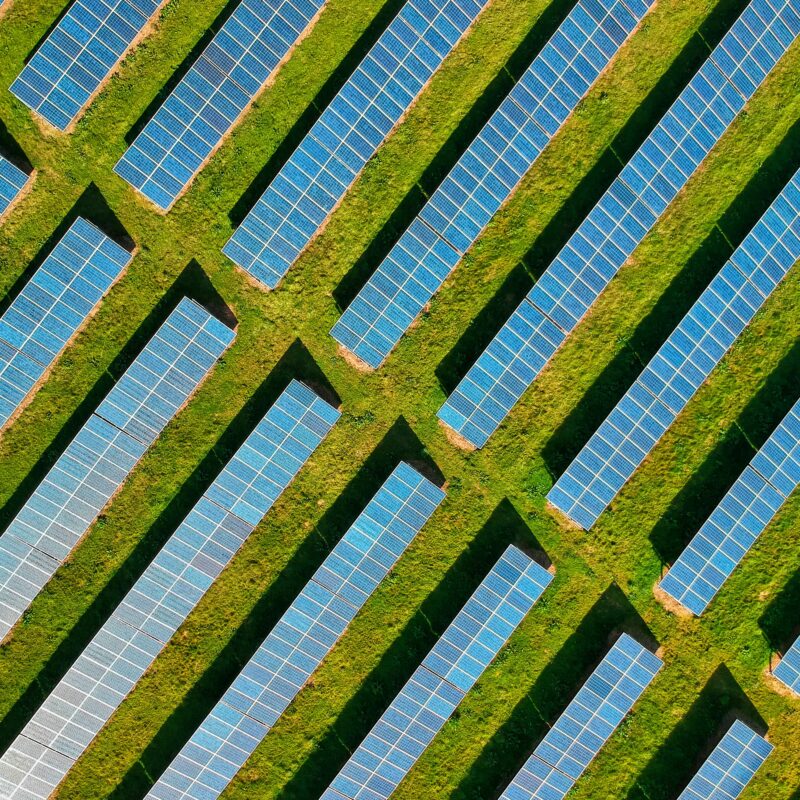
164, 595
683, 362
621, 219
356, 122
78, 56
735, 524
485, 176
12, 182
788, 670
99, 459
587, 723
52, 307
440, 683
301, 639
731, 766
209, 100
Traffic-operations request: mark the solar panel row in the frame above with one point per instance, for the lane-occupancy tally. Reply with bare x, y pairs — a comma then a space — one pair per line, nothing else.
161, 599
735, 524
788, 670
347, 134
731, 766
301, 639
52, 307
201, 110
99, 459
485, 176
622, 218
440, 683
586, 724
12, 182
683, 363
79, 54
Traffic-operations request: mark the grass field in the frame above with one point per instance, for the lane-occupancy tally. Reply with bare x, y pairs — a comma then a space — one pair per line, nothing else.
714, 666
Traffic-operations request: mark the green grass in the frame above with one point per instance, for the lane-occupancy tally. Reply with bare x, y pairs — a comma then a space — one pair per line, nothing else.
604, 579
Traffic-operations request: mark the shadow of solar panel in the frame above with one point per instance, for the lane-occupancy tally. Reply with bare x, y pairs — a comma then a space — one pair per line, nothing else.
439, 684
300, 640
587, 723
788, 670
78, 56
206, 104
485, 176
52, 307
740, 518
99, 459
171, 586
347, 134
629, 209
12, 182
731, 766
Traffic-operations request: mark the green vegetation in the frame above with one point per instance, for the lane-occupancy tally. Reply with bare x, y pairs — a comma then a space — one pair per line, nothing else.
604, 579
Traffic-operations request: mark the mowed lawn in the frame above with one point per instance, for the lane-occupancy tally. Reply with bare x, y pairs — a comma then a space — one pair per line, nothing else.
714, 666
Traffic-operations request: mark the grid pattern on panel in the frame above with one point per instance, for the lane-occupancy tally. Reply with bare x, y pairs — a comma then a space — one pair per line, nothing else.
301, 639
217, 89
731, 766
449, 671
683, 362
624, 215
52, 306
79, 54
587, 723
485, 176
101, 456
167, 591
349, 131
12, 181
740, 518
788, 670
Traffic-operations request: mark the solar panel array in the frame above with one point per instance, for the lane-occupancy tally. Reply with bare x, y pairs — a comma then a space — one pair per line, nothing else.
485, 176
441, 682
52, 306
587, 723
788, 670
735, 524
347, 134
99, 459
218, 88
731, 766
621, 219
165, 594
12, 182
79, 54
683, 362
301, 639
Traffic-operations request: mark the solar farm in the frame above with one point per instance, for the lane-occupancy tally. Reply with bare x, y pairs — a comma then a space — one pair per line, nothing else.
400, 399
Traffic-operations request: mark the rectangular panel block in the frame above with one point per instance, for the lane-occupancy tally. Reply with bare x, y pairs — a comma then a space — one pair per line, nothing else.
485, 176
12, 182
788, 671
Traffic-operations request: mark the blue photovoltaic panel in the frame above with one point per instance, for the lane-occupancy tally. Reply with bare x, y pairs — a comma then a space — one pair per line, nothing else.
731, 766
165, 594
319, 173
210, 98
618, 223
788, 671
586, 724
485, 176
735, 524
106, 449
304, 635
683, 362
12, 181
440, 683
79, 54
51, 308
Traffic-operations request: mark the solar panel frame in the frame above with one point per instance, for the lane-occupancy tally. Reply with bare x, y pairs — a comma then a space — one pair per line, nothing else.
13, 182
619, 221
788, 669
